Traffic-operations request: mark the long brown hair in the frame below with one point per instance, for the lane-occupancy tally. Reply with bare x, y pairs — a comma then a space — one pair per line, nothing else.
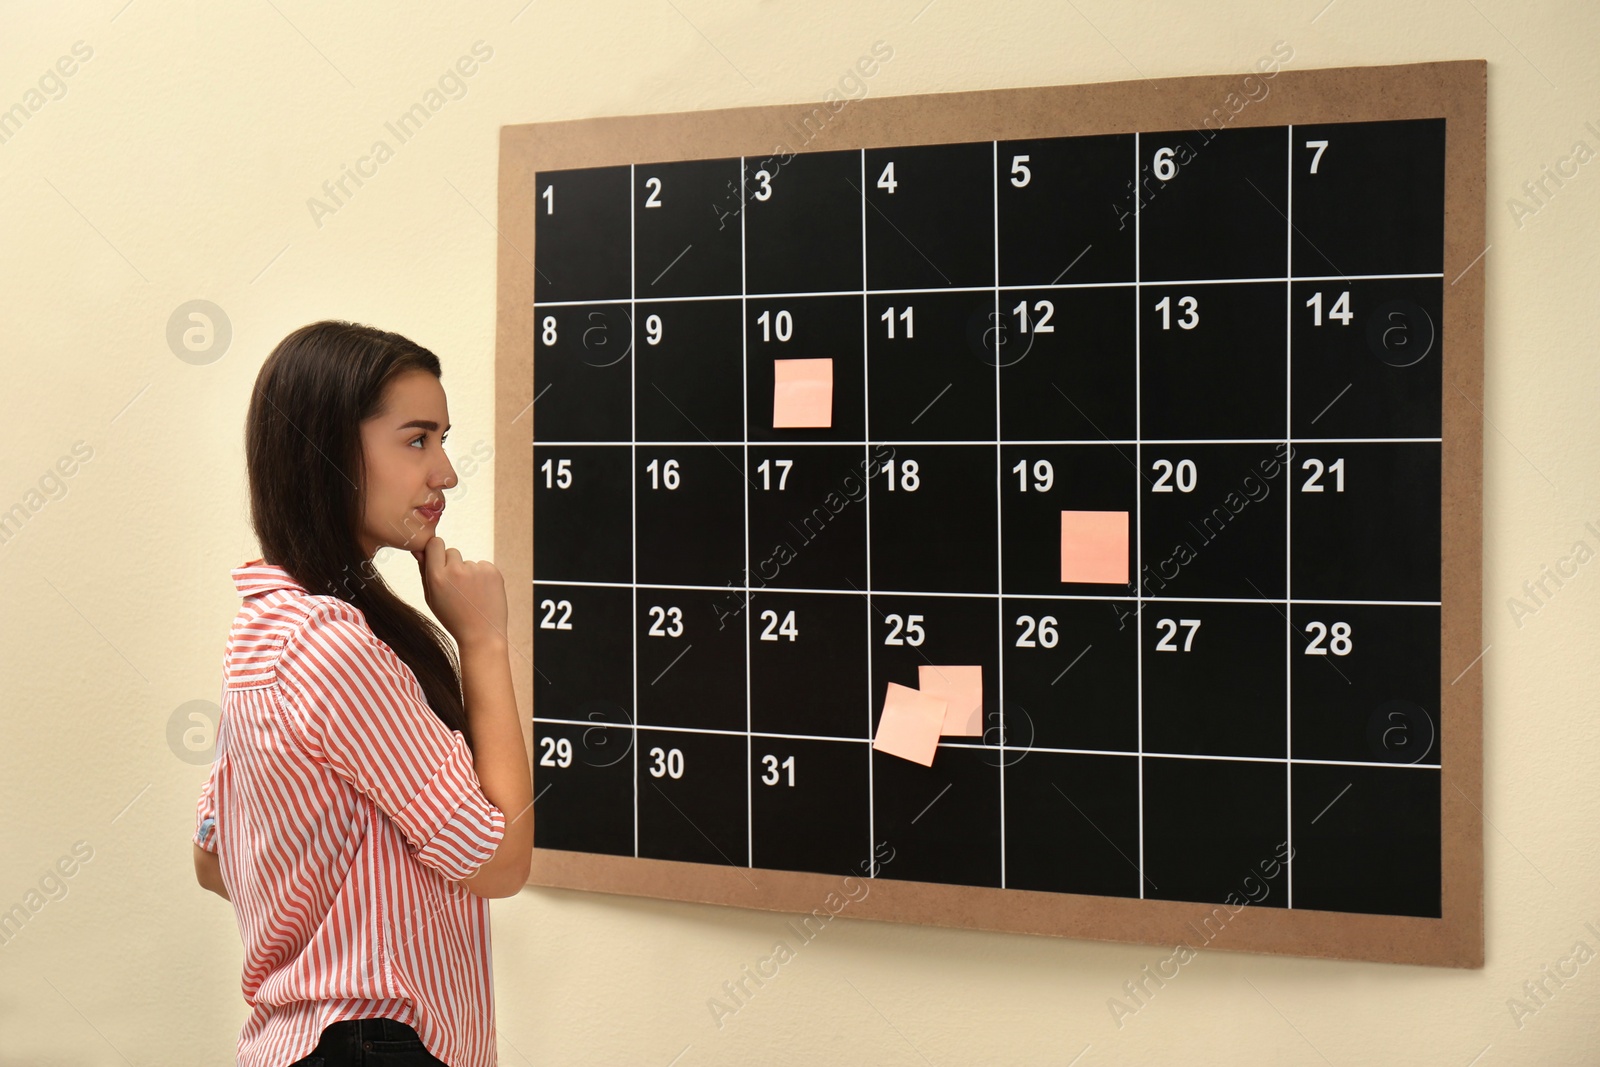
308, 484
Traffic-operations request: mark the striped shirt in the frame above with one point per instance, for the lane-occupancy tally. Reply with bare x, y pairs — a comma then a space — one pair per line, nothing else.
343, 812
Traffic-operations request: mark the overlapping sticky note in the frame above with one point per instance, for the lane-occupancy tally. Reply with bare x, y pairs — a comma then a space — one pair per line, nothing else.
910, 723
1094, 547
802, 393
948, 702
961, 688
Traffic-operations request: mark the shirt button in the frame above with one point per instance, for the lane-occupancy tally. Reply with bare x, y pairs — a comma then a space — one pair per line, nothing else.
367, 1045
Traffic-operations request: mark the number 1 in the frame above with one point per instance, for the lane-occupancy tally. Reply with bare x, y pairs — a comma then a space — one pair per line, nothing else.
905, 317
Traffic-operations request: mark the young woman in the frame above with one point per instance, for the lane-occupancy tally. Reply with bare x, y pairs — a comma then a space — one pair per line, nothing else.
368, 793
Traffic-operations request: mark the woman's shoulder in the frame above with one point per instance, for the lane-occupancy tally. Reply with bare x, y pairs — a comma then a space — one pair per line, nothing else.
281, 626
328, 620
284, 620
286, 611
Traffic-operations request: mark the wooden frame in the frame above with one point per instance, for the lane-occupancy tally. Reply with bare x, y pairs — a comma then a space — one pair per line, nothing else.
1454, 90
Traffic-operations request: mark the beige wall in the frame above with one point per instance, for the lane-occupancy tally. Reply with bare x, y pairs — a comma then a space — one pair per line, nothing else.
177, 165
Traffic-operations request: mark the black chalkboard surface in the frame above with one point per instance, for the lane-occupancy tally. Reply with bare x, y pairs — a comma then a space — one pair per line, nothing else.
1148, 424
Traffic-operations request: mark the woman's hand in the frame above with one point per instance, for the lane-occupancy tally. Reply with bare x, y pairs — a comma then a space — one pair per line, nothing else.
468, 598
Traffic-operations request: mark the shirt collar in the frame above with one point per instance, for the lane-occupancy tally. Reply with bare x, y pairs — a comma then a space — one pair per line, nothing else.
258, 576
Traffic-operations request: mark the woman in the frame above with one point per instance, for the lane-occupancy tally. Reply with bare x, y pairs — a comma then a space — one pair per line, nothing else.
366, 799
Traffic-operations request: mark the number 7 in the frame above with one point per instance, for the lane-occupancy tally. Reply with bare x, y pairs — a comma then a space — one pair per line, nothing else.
1321, 147
1193, 626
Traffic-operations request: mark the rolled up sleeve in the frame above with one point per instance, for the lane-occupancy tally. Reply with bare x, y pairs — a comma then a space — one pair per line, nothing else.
352, 703
205, 812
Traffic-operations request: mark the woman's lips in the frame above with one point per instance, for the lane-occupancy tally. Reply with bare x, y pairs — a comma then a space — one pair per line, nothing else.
431, 514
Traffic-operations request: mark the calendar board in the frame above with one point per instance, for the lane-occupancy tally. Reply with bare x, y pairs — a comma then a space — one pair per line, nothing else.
1151, 407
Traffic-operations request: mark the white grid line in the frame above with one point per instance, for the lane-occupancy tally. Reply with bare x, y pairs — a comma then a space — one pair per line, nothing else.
986, 288
1007, 596
999, 521
953, 442
866, 500
1138, 490
1288, 521
744, 394
591, 723
633, 488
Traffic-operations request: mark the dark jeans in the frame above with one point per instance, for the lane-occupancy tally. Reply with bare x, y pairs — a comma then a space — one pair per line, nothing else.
369, 1043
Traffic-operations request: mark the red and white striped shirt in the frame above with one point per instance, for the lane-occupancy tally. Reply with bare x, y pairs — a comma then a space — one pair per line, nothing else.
345, 812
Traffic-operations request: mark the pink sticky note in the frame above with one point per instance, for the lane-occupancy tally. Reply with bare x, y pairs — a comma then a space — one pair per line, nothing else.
961, 688
909, 726
802, 393
1094, 547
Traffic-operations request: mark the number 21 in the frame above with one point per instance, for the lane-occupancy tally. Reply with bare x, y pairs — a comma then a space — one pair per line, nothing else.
1314, 484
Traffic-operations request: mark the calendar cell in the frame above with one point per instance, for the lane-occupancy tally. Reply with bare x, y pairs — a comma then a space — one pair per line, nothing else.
827, 327
803, 223
691, 661
1213, 203
1072, 824
930, 216
909, 632
580, 633
1038, 483
583, 796
1213, 520
808, 664
808, 516
809, 805
582, 514
1043, 245
942, 822
684, 244
1367, 839
689, 502
1072, 674
931, 366
1233, 846
932, 518
1365, 521
1367, 358
581, 372
1366, 683
689, 385
1214, 678
1211, 362
1068, 364
580, 231
693, 797
1369, 197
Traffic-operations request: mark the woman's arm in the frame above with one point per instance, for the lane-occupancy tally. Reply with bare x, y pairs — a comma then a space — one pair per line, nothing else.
469, 599
208, 869
501, 761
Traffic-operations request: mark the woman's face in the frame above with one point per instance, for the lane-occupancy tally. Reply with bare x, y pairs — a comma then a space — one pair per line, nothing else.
407, 470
